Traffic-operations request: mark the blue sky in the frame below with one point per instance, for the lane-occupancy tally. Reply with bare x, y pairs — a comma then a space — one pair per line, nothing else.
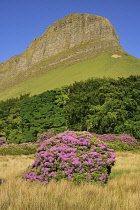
23, 20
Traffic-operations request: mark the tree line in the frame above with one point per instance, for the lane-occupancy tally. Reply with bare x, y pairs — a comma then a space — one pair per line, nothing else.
97, 105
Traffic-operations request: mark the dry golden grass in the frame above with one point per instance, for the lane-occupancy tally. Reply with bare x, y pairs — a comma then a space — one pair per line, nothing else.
122, 192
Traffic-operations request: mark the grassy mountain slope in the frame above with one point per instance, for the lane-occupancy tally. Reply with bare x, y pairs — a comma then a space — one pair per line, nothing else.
100, 66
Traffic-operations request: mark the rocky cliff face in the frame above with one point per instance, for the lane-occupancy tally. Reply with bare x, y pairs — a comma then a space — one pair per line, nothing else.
76, 37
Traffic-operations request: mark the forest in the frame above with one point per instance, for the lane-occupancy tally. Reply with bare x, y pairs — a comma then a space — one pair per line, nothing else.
97, 105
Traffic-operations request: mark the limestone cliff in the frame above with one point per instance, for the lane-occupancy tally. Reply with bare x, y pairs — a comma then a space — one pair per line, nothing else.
76, 37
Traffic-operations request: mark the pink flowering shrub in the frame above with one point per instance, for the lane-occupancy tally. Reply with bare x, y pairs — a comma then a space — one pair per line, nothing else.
75, 156
2, 142
121, 142
46, 135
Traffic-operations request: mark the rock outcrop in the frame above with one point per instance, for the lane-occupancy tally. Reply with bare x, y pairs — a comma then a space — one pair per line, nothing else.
76, 37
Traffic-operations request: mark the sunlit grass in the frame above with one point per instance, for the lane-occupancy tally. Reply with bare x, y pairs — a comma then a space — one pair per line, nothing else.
100, 66
122, 192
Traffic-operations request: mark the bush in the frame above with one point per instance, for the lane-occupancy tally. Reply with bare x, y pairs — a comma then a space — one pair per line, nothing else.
46, 135
75, 156
2, 142
123, 142
18, 149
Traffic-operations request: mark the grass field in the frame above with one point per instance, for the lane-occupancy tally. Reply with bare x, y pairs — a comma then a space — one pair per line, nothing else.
100, 66
122, 192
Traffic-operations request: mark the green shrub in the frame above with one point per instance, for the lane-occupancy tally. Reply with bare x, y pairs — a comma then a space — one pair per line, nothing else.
15, 150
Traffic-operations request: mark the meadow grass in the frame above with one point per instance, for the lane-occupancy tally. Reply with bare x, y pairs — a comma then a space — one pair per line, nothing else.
100, 66
122, 192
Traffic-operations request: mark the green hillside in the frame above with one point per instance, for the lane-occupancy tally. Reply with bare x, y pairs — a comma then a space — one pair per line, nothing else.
100, 66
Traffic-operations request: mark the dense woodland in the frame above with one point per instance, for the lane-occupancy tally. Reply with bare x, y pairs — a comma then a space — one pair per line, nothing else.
96, 105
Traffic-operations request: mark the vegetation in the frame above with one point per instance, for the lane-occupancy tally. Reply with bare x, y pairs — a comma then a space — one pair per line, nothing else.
23, 118
123, 142
2, 142
19, 149
101, 106
121, 192
74, 156
105, 106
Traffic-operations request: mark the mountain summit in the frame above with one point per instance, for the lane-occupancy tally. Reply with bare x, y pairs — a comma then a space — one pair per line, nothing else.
91, 31
74, 38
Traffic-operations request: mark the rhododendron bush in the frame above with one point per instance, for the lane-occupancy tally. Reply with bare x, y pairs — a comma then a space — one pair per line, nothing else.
2, 142
119, 142
75, 156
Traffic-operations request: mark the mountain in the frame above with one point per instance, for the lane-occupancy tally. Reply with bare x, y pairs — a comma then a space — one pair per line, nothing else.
73, 48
